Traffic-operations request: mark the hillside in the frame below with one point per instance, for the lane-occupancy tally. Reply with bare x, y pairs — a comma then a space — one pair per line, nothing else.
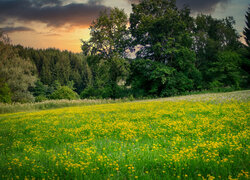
183, 137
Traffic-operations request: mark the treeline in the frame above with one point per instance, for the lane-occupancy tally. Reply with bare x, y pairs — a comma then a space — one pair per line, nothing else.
174, 53
35, 75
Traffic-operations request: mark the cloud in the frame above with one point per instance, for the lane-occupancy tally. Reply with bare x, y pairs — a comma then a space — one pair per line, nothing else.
205, 6
15, 29
195, 5
52, 34
133, 1
51, 12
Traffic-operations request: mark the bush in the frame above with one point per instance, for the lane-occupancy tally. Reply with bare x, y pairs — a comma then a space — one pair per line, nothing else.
64, 92
5, 93
105, 92
88, 92
41, 98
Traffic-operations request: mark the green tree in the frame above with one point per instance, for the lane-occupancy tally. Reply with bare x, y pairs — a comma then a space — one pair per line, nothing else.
157, 26
109, 35
40, 89
106, 51
211, 37
64, 92
5, 93
80, 72
163, 33
17, 73
226, 71
63, 68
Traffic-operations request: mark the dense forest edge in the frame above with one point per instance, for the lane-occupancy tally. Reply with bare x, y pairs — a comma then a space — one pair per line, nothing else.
175, 54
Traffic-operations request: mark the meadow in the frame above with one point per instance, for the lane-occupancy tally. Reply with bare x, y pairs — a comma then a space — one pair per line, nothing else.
191, 137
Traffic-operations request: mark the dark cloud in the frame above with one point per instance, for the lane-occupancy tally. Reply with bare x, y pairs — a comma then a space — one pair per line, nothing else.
43, 3
195, 5
51, 12
205, 6
15, 29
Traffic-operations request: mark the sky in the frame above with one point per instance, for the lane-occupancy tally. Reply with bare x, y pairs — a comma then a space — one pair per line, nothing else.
62, 24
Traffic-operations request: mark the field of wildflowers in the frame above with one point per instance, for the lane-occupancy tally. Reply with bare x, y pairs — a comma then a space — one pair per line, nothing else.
185, 138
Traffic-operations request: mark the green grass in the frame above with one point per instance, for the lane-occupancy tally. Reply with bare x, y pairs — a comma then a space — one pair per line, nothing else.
186, 137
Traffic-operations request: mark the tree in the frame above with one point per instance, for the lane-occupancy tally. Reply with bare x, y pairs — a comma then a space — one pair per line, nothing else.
106, 51
158, 27
64, 92
211, 37
5, 93
40, 89
246, 31
164, 34
226, 70
17, 73
109, 35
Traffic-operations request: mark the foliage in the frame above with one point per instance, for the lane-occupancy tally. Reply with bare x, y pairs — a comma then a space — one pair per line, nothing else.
40, 89
5, 93
64, 92
226, 70
194, 137
62, 66
158, 79
164, 32
107, 49
108, 35
158, 26
211, 37
17, 73
40, 98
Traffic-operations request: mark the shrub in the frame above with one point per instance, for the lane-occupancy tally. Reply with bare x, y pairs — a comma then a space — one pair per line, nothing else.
88, 92
41, 98
5, 93
64, 92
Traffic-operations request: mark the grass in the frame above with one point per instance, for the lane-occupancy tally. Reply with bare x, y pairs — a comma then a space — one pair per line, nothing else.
53, 104
188, 137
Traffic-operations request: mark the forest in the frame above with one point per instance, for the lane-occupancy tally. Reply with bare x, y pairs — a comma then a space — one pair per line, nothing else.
158, 51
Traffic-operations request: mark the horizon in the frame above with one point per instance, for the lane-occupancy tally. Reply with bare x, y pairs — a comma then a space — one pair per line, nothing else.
61, 24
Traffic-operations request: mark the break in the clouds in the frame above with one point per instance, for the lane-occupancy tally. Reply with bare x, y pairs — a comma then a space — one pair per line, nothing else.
53, 13
15, 29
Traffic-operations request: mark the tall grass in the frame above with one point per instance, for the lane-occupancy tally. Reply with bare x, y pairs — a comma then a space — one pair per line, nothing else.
52, 104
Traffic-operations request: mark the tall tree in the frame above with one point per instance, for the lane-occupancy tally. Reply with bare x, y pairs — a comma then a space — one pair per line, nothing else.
107, 49
164, 34
17, 73
109, 35
158, 27
211, 37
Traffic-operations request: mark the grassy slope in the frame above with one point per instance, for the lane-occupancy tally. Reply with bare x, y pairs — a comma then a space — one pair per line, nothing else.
183, 137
